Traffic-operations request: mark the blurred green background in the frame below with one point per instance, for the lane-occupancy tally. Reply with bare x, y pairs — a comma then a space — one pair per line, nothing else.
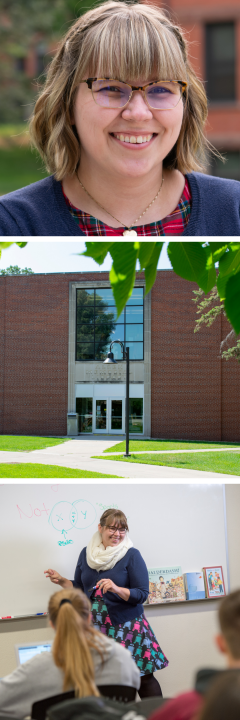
29, 33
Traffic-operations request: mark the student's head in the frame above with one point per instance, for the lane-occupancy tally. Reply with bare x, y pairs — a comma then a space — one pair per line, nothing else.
136, 44
228, 640
223, 699
69, 613
112, 527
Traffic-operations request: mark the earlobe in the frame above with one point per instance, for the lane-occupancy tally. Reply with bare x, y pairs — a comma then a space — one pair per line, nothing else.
221, 643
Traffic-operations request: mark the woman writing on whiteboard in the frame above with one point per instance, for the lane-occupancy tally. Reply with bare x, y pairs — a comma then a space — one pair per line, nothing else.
81, 659
114, 575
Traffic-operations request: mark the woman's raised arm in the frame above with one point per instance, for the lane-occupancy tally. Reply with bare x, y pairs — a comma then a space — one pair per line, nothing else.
57, 579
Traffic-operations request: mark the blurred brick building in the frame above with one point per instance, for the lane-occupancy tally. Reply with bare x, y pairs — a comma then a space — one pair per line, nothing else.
213, 31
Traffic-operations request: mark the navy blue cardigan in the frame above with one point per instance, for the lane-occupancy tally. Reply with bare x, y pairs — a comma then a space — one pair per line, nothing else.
40, 209
130, 572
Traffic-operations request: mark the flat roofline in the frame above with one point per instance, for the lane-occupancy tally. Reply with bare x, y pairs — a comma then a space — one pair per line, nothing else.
75, 272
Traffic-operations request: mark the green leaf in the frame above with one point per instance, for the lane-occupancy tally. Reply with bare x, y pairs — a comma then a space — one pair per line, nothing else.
151, 267
123, 272
230, 262
218, 249
232, 301
221, 285
192, 262
207, 280
5, 245
97, 250
145, 253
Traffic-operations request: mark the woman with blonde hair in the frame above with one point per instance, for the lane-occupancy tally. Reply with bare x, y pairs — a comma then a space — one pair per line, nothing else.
114, 576
120, 125
81, 659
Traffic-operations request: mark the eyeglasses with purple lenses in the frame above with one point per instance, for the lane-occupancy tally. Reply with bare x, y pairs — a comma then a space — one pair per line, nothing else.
114, 530
162, 95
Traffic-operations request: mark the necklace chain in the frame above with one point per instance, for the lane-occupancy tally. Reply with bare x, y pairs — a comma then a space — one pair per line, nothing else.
107, 211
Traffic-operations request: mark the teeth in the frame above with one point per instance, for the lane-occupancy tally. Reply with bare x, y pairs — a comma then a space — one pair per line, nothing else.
134, 139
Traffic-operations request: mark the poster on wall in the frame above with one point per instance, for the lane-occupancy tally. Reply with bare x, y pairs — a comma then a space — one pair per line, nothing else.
166, 585
214, 581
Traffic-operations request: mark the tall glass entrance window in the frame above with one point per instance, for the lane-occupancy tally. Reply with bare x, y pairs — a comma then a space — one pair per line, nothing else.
101, 415
135, 415
116, 415
84, 407
98, 325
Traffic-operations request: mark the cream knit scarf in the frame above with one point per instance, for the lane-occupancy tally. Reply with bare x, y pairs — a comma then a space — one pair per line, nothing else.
101, 558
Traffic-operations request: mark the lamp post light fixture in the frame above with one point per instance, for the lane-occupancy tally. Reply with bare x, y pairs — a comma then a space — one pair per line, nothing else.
110, 361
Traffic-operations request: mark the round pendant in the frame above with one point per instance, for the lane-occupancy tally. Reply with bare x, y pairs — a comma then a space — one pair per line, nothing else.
130, 232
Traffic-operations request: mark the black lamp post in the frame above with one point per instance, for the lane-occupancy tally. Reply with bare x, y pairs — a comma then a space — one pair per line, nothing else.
110, 361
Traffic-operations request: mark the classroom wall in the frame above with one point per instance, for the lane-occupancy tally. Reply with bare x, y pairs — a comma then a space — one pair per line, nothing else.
185, 631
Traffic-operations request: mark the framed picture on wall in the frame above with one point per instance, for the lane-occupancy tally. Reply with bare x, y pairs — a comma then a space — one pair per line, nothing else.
214, 581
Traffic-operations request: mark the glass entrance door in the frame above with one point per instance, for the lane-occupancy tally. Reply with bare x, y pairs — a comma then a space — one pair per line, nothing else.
101, 416
116, 416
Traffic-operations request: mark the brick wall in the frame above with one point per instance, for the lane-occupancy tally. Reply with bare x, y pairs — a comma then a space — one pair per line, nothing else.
230, 394
195, 395
36, 352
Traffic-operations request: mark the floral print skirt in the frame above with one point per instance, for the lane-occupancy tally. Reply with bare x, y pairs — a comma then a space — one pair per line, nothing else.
136, 635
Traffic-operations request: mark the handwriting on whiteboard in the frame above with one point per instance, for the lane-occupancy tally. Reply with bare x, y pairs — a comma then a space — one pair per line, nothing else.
64, 517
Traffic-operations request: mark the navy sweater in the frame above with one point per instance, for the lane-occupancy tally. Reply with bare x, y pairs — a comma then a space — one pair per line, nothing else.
130, 572
40, 209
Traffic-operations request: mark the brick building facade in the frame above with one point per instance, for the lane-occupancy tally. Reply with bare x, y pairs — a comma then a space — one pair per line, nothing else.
186, 389
213, 31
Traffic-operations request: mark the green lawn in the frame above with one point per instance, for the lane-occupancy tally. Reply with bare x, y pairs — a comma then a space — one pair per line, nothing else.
21, 443
19, 166
31, 470
228, 463
167, 445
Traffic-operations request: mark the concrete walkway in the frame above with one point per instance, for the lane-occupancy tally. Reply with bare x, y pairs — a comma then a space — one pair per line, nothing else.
77, 453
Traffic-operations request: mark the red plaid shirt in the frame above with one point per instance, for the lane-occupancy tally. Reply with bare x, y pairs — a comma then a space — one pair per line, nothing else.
173, 224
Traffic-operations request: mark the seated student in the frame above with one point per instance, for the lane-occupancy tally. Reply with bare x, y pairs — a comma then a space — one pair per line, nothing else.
187, 705
223, 699
81, 659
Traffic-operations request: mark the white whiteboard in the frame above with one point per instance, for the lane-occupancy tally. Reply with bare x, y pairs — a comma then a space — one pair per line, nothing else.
169, 524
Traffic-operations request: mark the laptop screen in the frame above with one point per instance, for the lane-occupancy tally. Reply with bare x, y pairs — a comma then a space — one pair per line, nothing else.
26, 652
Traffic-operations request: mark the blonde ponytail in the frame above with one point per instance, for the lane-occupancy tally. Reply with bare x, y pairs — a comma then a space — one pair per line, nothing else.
69, 613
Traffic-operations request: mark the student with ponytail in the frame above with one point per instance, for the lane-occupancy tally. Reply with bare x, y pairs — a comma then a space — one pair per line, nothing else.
82, 659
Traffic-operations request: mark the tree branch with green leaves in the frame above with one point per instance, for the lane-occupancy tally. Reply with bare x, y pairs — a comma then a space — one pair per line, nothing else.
193, 261
209, 308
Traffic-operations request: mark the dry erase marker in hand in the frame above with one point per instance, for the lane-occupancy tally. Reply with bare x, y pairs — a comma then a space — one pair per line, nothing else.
95, 587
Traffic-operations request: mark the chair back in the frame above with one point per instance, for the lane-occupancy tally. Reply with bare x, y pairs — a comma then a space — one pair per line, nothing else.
39, 708
121, 693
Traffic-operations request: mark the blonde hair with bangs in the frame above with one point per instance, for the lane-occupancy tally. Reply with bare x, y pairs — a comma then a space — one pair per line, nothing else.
114, 517
73, 641
124, 41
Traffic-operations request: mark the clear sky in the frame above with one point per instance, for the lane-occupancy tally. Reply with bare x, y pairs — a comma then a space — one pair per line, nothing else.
59, 256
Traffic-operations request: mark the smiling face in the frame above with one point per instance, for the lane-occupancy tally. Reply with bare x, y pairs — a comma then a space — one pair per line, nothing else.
128, 141
111, 535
